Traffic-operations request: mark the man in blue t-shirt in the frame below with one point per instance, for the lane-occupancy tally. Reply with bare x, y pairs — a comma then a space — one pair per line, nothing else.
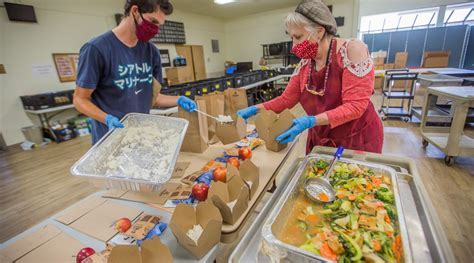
119, 70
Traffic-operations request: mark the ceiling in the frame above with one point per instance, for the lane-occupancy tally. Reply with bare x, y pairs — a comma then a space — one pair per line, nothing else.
203, 7
231, 10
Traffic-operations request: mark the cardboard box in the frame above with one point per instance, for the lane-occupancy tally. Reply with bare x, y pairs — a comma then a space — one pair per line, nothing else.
378, 83
205, 214
223, 193
151, 250
143, 226
249, 173
401, 59
389, 66
436, 59
231, 132
48, 244
379, 61
100, 256
97, 222
269, 125
178, 75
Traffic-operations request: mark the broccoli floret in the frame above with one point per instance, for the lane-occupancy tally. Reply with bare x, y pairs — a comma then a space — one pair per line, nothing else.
385, 195
321, 164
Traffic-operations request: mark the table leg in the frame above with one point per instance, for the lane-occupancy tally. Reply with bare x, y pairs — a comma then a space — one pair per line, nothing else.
425, 110
457, 128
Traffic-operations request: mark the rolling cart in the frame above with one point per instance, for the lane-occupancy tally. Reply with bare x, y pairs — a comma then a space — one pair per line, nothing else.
453, 141
391, 92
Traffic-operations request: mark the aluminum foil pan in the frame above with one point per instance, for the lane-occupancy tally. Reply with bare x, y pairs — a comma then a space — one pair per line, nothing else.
277, 218
140, 157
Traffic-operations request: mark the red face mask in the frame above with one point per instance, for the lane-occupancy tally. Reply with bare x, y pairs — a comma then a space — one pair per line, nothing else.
146, 30
306, 49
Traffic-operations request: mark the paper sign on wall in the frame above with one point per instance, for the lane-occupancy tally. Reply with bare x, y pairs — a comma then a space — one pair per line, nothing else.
42, 70
66, 65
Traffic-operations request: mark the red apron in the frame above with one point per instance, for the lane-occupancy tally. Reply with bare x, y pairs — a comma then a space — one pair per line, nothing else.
364, 134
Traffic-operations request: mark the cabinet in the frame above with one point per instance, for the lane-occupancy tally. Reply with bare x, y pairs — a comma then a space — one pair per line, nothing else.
195, 60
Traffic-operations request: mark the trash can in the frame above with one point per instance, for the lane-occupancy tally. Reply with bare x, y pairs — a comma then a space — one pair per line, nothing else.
33, 134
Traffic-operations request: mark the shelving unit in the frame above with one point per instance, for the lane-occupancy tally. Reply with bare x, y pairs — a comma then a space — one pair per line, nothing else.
437, 113
391, 91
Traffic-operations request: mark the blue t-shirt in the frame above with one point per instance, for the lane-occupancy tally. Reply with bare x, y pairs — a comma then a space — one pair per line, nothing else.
120, 76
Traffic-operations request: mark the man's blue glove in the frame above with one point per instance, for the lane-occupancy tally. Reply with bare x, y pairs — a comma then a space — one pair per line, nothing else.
113, 122
247, 112
299, 125
186, 103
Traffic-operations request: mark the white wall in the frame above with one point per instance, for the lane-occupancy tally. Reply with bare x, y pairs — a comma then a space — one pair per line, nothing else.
199, 31
244, 36
65, 27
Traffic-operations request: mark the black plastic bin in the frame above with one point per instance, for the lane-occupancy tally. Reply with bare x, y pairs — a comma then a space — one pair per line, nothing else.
189, 91
47, 100
238, 81
203, 88
227, 82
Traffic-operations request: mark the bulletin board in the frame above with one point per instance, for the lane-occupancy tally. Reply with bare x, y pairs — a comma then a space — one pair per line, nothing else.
66, 66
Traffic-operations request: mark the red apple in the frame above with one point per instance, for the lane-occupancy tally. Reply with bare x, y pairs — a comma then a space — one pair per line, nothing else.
220, 174
234, 161
123, 224
245, 153
200, 191
84, 253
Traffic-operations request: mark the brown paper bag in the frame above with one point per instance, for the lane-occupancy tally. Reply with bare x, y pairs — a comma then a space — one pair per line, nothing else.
235, 99
196, 139
214, 107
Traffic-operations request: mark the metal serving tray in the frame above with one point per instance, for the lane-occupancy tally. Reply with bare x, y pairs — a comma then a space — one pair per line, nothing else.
278, 216
92, 164
425, 232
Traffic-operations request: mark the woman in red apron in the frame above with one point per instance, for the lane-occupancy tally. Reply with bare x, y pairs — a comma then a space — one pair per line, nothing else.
333, 82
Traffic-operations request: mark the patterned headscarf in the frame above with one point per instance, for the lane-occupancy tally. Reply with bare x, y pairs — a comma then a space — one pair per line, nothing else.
319, 13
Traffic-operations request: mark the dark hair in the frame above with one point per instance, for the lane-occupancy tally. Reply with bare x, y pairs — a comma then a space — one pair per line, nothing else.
148, 6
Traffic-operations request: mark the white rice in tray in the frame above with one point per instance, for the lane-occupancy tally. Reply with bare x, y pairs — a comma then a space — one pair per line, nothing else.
144, 152
195, 232
225, 118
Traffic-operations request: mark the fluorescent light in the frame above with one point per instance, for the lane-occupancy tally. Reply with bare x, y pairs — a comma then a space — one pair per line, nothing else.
223, 2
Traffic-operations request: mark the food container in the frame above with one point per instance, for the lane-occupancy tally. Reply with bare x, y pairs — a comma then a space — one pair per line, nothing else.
93, 164
277, 218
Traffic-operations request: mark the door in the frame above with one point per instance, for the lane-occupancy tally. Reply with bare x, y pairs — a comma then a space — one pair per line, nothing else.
198, 62
186, 52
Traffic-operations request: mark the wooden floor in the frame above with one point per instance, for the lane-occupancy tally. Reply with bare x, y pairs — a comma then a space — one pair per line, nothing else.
37, 184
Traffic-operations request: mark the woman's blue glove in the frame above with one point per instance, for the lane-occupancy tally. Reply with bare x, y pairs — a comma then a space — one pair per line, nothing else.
299, 125
186, 103
113, 122
247, 112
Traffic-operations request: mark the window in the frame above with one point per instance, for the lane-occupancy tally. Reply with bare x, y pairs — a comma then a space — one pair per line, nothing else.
427, 18
407, 20
459, 14
399, 21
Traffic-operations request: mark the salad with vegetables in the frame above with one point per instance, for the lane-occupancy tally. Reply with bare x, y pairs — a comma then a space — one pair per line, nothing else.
359, 226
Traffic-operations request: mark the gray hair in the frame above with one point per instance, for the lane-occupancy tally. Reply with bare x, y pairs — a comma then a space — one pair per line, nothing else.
300, 20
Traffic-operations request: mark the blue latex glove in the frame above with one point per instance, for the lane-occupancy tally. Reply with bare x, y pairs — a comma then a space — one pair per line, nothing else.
247, 112
299, 125
113, 122
156, 231
186, 103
